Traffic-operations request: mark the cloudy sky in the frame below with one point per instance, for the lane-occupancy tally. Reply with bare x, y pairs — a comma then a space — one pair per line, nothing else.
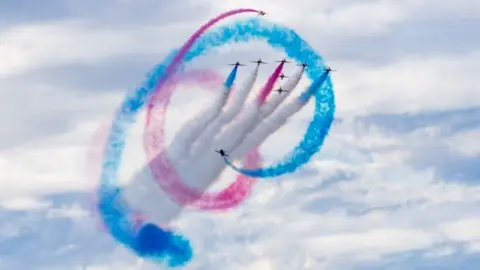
395, 187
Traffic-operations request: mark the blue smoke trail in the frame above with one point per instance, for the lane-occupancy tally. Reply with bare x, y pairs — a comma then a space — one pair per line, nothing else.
313, 88
149, 240
231, 78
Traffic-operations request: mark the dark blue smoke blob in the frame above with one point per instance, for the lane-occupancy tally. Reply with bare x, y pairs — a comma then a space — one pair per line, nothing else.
153, 242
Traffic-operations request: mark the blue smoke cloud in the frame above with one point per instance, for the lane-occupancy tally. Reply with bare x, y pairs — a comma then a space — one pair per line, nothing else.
163, 246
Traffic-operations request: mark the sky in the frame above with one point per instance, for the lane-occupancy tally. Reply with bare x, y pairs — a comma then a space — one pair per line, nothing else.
396, 185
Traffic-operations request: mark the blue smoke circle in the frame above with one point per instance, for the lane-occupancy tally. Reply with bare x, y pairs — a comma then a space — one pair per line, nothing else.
163, 246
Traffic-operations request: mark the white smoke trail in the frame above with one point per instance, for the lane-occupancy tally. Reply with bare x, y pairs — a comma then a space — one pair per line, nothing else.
143, 193
184, 138
267, 127
235, 106
210, 164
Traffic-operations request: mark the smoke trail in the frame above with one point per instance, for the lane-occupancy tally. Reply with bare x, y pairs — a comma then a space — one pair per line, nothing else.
305, 96
273, 102
148, 241
210, 165
230, 112
266, 128
269, 126
231, 78
114, 210
270, 83
183, 52
194, 126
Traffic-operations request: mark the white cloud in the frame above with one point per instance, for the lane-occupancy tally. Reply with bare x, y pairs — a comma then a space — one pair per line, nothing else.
74, 212
40, 45
33, 46
474, 247
47, 166
339, 18
440, 252
465, 230
261, 264
371, 244
459, 9
25, 204
410, 85
366, 18
466, 142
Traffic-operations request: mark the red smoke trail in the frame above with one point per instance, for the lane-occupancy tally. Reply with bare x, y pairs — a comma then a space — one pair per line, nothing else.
183, 51
269, 84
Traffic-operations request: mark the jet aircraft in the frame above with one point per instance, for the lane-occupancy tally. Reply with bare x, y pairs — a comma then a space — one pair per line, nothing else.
282, 76
280, 90
237, 64
221, 152
259, 61
283, 61
328, 69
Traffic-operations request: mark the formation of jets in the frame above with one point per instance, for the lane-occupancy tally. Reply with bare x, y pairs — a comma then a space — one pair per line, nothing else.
279, 90
260, 61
